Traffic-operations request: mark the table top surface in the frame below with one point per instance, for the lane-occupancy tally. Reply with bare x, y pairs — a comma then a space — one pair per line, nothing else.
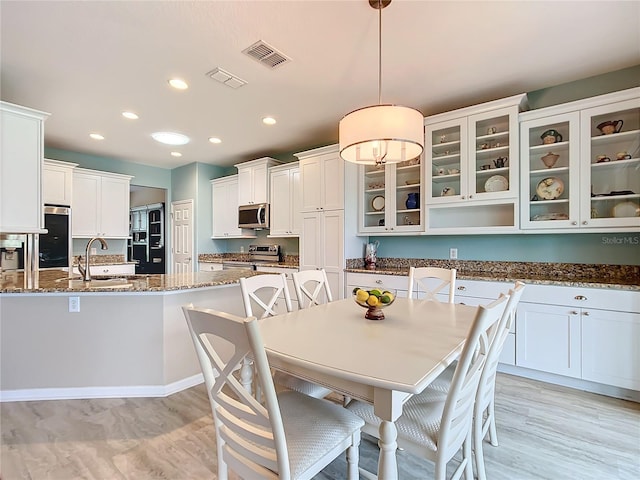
404, 352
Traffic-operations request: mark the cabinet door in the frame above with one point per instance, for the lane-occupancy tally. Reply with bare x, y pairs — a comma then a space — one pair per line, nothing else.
332, 245
20, 171
280, 203
114, 208
446, 156
550, 172
219, 197
86, 205
57, 181
245, 186
310, 241
332, 181
610, 353
493, 154
296, 195
260, 184
310, 176
548, 338
610, 193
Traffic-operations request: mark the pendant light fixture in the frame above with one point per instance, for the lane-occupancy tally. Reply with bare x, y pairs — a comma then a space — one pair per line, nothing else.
381, 133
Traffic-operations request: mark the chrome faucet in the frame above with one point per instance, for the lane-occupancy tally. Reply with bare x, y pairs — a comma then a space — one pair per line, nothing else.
86, 271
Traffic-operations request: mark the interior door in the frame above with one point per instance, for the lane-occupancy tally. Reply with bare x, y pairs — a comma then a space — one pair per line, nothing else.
182, 236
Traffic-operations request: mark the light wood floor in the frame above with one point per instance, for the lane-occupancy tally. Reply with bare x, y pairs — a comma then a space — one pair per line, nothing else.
545, 432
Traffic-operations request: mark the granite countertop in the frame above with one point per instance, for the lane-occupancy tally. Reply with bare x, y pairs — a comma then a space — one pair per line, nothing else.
288, 261
621, 277
57, 281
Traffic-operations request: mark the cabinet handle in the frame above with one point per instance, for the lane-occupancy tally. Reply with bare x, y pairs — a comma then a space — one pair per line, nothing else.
470, 196
573, 312
462, 288
580, 297
574, 223
586, 314
585, 222
463, 197
379, 282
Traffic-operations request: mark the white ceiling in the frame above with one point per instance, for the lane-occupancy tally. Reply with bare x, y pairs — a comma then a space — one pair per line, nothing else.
87, 61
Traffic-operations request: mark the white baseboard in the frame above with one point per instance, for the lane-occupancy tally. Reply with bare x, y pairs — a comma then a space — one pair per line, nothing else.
100, 392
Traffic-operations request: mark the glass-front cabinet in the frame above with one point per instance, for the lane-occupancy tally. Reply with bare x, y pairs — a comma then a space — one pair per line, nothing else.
581, 164
471, 172
390, 198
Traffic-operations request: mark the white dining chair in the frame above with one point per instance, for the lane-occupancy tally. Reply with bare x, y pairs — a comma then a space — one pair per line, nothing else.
291, 435
484, 418
263, 292
431, 281
312, 287
435, 425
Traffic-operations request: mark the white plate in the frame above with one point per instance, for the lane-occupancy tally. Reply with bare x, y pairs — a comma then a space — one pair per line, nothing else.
377, 203
497, 183
626, 209
550, 188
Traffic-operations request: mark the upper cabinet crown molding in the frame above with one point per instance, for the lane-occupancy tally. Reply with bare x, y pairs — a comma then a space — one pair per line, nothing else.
253, 180
21, 158
519, 100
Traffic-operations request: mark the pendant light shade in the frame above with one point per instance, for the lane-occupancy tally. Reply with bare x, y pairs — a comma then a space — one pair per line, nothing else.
381, 133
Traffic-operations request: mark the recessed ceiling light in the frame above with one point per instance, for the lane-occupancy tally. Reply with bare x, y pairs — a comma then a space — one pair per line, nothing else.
130, 115
170, 138
269, 121
176, 154
215, 140
96, 136
178, 84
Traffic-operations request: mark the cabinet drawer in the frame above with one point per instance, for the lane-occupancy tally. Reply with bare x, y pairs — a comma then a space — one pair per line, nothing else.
397, 282
579, 297
123, 269
481, 289
209, 267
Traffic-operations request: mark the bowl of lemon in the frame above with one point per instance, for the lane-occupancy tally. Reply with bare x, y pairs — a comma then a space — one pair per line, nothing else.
374, 300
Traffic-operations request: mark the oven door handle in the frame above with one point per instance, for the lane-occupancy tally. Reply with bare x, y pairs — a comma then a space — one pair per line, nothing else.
259, 215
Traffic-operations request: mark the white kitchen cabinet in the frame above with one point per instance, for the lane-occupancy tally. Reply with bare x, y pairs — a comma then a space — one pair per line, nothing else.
285, 200
322, 179
471, 168
253, 180
57, 182
21, 158
610, 353
370, 280
225, 209
587, 188
100, 204
390, 198
209, 267
139, 218
281, 306
322, 246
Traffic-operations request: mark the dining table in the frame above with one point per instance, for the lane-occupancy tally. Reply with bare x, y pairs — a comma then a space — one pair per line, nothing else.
383, 362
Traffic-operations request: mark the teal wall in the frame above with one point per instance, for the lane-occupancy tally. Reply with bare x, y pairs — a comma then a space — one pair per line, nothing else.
599, 248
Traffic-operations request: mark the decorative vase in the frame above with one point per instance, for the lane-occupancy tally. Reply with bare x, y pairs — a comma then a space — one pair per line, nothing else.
412, 200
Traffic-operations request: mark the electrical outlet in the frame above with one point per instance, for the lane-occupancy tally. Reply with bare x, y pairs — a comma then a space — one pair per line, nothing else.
241, 249
453, 253
94, 251
74, 304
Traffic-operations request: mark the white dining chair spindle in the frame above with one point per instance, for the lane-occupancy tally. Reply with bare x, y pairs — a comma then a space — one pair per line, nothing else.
310, 287
421, 280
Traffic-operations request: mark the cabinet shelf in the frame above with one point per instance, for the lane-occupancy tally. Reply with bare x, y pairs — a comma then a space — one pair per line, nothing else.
557, 201
606, 198
375, 173
447, 158
490, 152
445, 145
377, 212
493, 136
491, 171
374, 190
547, 146
615, 137
548, 171
615, 164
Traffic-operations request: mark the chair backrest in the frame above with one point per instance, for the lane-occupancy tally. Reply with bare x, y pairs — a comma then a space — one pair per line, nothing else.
423, 278
502, 328
309, 285
263, 291
250, 436
458, 409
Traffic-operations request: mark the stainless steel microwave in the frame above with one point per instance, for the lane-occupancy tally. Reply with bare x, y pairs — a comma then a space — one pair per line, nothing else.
253, 216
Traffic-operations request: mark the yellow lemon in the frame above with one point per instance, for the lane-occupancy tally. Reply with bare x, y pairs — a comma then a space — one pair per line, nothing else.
372, 301
362, 295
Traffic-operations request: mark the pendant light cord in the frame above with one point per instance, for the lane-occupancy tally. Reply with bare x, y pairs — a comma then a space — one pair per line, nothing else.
380, 52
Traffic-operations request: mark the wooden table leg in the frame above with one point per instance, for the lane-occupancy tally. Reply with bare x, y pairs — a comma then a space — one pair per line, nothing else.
387, 462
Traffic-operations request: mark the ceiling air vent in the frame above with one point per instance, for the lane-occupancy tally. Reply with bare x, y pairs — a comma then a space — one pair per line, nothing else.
226, 78
266, 54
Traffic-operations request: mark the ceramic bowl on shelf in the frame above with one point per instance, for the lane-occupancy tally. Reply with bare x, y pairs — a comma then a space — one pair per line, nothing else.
625, 210
374, 300
550, 159
550, 188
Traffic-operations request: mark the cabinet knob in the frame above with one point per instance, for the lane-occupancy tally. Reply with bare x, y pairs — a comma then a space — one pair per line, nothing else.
463, 197
379, 282
462, 288
574, 223
573, 312
580, 297
586, 314
470, 196
585, 223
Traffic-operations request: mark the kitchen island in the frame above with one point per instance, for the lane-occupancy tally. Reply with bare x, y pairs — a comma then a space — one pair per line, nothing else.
125, 341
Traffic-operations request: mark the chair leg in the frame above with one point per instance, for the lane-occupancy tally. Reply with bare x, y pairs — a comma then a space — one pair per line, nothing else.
353, 458
478, 438
467, 456
493, 433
